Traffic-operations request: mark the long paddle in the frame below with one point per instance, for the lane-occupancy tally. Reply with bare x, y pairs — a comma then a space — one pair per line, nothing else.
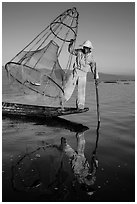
97, 96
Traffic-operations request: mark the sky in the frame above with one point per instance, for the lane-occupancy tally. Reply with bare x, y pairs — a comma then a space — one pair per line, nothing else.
110, 26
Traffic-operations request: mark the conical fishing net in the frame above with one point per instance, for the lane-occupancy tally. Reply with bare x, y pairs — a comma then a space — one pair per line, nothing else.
43, 65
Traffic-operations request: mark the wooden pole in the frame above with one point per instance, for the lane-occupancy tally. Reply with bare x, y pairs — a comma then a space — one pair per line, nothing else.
97, 97
97, 138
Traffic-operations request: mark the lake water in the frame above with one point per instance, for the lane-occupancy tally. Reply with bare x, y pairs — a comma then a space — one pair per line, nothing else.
36, 167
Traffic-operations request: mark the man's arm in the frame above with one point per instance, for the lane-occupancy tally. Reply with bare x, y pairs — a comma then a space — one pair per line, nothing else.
94, 70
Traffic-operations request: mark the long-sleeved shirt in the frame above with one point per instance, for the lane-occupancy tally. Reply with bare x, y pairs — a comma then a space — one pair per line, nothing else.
84, 62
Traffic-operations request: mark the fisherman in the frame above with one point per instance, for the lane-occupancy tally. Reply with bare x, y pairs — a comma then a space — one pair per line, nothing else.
84, 62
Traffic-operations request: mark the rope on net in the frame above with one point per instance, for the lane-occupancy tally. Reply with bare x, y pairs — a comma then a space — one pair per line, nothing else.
49, 77
57, 26
47, 47
61, 47
38, 47
70, 56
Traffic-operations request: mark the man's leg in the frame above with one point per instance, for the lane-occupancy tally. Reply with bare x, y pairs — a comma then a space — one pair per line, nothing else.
81, 92
80, 143
70, 86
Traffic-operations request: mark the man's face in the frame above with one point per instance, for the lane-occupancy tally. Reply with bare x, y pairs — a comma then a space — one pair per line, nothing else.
86, 50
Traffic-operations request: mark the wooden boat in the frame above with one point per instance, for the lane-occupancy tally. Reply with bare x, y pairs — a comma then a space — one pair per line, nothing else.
37, 111
37, 69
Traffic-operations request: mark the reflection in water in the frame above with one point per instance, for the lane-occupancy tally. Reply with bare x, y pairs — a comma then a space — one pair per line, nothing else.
83, 173
54, 171
50, 122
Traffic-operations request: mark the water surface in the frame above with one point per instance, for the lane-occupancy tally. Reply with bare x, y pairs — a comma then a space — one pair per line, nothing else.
37, 168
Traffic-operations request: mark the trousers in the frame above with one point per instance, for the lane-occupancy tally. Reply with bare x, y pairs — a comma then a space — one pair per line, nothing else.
77, 77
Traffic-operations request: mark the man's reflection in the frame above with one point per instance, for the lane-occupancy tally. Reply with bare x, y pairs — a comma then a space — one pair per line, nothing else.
61, 182
85, 175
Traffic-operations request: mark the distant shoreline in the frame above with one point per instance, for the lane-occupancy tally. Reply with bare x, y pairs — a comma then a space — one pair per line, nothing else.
106, 78
114, 82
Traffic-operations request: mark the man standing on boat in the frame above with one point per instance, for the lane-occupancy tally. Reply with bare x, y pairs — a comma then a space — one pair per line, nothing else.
83, 64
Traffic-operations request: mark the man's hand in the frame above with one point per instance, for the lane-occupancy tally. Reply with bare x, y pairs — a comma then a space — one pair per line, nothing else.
92, 66
72, 40
96, 82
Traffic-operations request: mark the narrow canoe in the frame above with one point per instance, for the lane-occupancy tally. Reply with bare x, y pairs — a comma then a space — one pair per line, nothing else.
38, 111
